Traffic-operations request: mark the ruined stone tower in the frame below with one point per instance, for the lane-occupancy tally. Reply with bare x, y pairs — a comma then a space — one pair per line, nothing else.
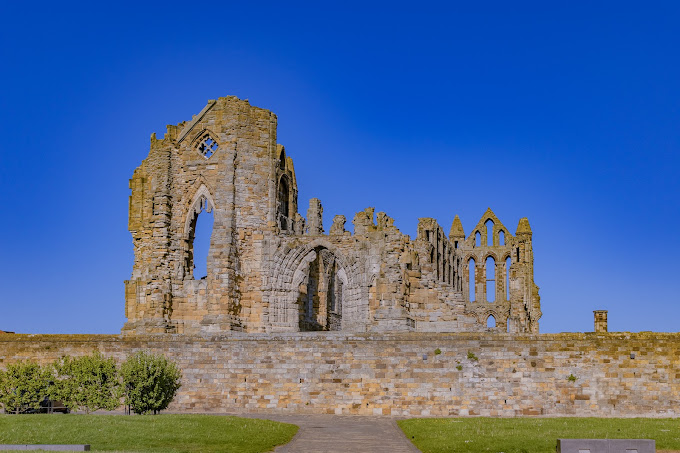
271, 270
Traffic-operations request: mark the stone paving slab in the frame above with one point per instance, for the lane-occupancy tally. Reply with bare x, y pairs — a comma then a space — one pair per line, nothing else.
341, 434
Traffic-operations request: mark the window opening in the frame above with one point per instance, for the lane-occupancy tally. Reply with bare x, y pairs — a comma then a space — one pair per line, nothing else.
508, 262
518, 254
471, 267
490, 279
206, 145
455, 244
489, 232
201, 243
478, 239
282, 204
490, 322
501, 237
507, 323
282, 161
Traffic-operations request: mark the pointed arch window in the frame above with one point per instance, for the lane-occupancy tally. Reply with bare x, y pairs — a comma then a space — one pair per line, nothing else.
282, 204
490, 279
489, 232
508, 261
471, 280
200, 226
491, 322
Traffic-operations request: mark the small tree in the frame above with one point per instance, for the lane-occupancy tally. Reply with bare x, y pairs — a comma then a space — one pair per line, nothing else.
150, 382
24, 385
88, 382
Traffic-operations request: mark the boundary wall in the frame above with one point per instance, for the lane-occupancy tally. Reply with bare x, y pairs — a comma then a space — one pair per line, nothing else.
405, 374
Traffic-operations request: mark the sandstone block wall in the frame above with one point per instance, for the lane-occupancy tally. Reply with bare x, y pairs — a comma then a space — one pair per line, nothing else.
614, 374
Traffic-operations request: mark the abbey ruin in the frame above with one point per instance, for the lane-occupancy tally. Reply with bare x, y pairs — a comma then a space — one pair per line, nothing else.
272, 270
400, 326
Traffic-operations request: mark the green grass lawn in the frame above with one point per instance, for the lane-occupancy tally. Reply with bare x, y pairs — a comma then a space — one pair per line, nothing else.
532, 435
133, 433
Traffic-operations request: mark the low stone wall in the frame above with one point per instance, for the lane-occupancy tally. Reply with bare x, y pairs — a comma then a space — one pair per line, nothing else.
410, 374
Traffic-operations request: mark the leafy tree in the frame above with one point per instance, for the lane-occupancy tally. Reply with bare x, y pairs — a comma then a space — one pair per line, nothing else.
150, 382
88, 382
24, 385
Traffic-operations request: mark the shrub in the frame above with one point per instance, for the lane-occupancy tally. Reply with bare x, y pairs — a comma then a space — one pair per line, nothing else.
150, 382
472, 356
571, 378
24, 385
89, 382
437, 351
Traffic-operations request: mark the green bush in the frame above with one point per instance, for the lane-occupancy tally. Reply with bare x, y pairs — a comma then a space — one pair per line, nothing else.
24, 385
149, 382
87, 383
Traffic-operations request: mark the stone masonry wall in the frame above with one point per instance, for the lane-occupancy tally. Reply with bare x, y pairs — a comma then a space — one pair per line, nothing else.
490, 374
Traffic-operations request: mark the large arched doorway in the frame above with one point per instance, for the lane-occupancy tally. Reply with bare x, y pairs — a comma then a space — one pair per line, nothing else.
321, 293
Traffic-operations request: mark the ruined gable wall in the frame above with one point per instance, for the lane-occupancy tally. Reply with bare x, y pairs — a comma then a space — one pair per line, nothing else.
235, 180
617, 374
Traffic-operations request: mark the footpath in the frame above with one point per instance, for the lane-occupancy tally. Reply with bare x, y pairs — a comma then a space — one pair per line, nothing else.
343, 434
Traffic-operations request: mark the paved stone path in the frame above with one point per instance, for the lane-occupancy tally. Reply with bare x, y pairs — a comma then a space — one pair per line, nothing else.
343, 434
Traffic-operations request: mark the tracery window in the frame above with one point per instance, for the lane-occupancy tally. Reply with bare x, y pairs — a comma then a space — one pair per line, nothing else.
206, 145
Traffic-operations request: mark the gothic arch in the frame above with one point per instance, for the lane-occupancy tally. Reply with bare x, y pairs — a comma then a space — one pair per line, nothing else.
202, 199
290, 270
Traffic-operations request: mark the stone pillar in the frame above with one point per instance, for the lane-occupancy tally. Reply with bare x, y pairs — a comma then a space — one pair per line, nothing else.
315, 217
600, 320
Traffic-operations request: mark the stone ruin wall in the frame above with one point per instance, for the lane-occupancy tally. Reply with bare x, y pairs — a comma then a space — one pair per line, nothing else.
616, 374
272, 270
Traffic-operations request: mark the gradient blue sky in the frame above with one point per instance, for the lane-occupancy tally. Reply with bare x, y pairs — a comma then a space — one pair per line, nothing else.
567, 113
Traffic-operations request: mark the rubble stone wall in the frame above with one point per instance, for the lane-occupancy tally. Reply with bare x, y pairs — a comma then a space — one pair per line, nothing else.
409, 374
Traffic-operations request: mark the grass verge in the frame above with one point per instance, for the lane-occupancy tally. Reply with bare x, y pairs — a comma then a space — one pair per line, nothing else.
531, 435
133, 433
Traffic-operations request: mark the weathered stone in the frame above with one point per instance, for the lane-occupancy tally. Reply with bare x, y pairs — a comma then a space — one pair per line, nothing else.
475, 373
270, 270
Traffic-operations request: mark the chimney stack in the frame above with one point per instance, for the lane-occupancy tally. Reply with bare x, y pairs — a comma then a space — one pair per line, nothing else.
600, 320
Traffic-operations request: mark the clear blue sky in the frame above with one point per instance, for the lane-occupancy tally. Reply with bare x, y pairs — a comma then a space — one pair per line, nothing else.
567, 113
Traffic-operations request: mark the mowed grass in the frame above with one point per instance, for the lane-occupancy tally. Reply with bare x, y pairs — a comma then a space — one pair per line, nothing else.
136, 433
532, 435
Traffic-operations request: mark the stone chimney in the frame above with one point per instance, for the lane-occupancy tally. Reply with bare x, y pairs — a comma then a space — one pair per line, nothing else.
600, 320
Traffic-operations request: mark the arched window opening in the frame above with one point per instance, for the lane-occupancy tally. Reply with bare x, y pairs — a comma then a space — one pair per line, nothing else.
478, 239
508, 322
518, 254
471, 268
508, 261
282, 204
455, 244
489, 232
199, 243
490, 279
490, 322
282, 160
501, 237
